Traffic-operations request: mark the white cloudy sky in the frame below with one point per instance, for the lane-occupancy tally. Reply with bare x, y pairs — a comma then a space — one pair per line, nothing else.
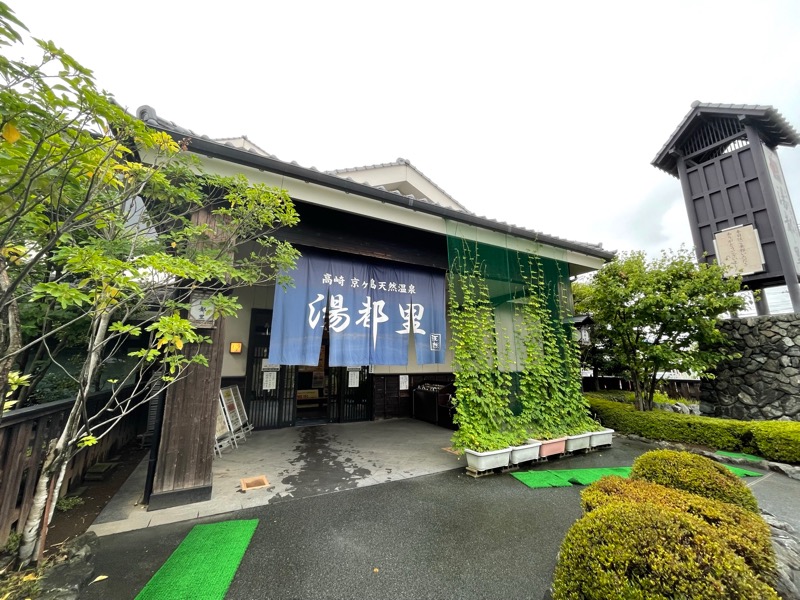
544, 114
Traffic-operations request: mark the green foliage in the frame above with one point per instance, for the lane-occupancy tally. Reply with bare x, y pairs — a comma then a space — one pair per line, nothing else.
778, 440
86, 441
68, 503
693, 473
659, 315
547, 372
772, 440
746, 533
12, 543
112, 229
481, 400
94, 240
550, 382
643, 551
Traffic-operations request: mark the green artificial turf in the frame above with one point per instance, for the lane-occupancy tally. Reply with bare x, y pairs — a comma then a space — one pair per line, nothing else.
541, 479
588, 476
566, 477
749, 457
739, 472
203, 566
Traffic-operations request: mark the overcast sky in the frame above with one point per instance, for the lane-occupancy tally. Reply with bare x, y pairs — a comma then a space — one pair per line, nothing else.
542, 114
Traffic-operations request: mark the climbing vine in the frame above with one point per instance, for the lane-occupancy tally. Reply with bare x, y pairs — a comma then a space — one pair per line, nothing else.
550, 382
482, 389
548, 391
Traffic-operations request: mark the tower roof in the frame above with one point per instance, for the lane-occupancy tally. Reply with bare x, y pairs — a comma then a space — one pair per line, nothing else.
770, 124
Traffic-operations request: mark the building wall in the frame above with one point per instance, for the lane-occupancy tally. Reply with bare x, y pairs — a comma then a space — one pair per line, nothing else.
238, 329
764, 384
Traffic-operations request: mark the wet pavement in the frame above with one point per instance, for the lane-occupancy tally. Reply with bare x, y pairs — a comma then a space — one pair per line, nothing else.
298, 462
442, 535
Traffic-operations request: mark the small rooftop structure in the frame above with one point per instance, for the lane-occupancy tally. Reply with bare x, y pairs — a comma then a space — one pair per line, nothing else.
700, 134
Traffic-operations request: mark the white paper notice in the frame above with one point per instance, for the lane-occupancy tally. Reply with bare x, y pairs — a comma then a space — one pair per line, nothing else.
270, 380
353, 378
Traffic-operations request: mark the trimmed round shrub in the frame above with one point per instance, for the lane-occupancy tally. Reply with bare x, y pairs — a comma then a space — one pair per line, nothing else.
693, 473
627, 551
744, 532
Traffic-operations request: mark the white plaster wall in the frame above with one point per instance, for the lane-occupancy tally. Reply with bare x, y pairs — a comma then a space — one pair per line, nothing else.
238, 329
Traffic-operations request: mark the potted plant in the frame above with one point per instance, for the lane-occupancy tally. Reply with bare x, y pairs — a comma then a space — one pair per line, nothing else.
524, 449
578, 441
602, 437
551, 444
484, 448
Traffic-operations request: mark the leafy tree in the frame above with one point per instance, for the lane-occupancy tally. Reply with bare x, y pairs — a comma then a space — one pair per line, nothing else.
595, 356
108, 230
658, 315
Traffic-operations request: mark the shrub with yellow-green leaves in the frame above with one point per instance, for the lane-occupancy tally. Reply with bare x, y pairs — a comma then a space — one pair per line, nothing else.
631, 551
744, 532
695, 474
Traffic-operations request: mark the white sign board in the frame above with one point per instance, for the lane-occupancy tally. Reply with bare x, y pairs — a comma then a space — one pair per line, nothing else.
353, 377
229, 403
269, 380
403, 382
738, 250
785, 207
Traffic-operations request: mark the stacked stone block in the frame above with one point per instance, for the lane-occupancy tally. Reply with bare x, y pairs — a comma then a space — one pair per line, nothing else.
764, 383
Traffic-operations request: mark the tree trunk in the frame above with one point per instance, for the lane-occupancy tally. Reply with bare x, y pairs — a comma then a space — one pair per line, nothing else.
10, 336
55, 462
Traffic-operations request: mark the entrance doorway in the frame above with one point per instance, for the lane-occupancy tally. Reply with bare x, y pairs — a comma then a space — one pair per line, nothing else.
301, 395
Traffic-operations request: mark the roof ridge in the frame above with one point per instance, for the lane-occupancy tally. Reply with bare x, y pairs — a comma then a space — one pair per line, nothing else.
402, 162
148, 115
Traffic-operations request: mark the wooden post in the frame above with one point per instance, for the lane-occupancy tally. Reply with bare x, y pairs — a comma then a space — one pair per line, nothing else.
183, 469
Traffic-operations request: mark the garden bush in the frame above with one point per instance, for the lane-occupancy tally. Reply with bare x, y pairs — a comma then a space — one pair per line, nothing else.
746, 533
779, 440
631, 551
693, 473
772, 440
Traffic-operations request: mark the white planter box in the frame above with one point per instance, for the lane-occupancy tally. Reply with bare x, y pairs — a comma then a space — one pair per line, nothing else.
524, 453
483, 461
580, 441
602, 438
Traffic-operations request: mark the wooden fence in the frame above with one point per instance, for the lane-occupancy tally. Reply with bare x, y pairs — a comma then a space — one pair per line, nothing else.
25, 435
687, 389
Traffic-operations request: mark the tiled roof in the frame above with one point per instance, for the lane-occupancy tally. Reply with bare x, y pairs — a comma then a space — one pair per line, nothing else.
774, 128
149, 116
398, 163
245, 143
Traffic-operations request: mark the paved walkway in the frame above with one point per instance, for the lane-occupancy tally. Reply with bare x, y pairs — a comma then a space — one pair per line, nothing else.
298, 462
428, 532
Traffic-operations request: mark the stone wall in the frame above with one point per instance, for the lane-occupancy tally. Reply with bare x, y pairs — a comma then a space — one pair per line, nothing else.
765, 382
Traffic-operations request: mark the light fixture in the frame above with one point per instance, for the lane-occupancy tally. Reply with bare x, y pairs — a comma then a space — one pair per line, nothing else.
236, 348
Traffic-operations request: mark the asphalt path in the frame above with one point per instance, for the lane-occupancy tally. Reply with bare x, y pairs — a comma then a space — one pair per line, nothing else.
438, 536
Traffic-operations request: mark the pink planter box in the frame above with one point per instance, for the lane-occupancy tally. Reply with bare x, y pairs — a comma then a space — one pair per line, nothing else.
552, 447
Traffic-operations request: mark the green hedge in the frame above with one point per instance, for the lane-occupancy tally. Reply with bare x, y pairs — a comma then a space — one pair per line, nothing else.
629, 551
773, 440
745, 532
695, 474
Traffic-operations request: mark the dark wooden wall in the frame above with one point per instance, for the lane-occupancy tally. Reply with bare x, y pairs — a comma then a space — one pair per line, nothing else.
329, 229
390, 402
186, 450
